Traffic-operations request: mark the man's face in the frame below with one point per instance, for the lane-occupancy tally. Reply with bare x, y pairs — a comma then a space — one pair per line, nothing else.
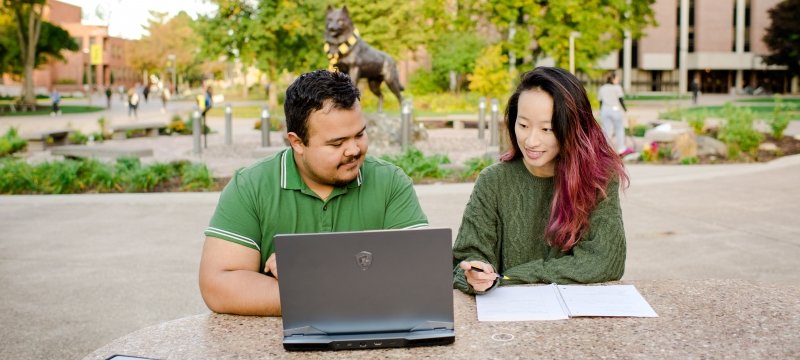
336, 147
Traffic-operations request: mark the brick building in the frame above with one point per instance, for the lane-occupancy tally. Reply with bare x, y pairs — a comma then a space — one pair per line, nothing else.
717, 42
74, 73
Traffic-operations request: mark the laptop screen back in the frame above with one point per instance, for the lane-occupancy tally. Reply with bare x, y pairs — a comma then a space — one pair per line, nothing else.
365, 282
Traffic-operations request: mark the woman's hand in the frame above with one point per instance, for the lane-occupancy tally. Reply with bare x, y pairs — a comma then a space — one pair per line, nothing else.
479, 280
271, 266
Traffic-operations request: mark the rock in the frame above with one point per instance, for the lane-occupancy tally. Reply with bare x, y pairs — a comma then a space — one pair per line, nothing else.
769, 147
685, 146
666, 132
708, 146
384, 132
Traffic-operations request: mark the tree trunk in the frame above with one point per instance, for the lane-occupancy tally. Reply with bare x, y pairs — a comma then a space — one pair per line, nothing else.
28, 48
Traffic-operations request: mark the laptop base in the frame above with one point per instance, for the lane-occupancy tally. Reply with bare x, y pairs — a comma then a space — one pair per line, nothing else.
370, 341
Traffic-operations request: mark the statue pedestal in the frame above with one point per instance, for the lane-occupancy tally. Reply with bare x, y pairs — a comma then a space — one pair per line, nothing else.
385, 133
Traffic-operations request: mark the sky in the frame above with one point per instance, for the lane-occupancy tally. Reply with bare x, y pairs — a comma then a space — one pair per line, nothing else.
126, 17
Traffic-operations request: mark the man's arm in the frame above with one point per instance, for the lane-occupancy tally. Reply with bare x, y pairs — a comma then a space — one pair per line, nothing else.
231, 281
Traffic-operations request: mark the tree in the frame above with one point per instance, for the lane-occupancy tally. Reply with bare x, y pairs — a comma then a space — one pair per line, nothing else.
783, 36
167, 36
27, 15
455, 52
491, 78
52, 41
532, 30
273, 35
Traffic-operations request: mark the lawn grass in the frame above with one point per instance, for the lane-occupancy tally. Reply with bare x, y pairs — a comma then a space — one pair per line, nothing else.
65, 109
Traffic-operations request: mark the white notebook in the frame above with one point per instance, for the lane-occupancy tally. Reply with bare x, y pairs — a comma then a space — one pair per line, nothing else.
557, 302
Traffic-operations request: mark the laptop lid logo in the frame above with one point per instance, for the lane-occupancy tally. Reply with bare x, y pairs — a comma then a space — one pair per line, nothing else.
364, 260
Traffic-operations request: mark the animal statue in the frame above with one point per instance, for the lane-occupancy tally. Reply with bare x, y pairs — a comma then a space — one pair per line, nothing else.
348, 53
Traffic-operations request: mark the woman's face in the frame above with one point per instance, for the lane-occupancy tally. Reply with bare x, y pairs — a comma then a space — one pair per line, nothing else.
534, 130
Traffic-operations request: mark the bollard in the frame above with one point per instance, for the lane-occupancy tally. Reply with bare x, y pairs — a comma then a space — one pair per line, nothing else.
493, 126
481, 117
196, 130
405, 124
265, 127
228, 125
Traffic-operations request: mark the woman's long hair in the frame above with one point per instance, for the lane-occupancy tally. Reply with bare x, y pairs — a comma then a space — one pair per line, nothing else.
586, 162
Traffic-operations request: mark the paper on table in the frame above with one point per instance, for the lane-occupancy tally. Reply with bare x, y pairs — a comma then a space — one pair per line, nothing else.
557, 302
520, 303
605, 300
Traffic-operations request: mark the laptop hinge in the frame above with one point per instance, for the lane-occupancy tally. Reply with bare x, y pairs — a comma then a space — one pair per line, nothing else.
303, 330
432, 325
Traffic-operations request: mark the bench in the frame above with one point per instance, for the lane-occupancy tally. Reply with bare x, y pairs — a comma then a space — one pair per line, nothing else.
41, 140
100, 151
120, 131
458, 120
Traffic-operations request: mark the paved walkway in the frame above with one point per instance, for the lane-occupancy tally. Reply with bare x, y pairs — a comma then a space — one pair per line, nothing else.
78, 271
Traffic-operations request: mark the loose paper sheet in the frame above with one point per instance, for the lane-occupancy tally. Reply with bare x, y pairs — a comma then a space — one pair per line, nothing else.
557, 302
520, 303
605, 300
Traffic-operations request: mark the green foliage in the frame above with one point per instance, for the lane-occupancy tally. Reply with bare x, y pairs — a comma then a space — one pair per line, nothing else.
779, 120
90, 175
783, 35
639, 130
418, 166
77, 137
458, 52
176, 126
423, 82
738, 132
195, 177
11, 142
491, 77
697, 121
691, 160
474, 166
601, 23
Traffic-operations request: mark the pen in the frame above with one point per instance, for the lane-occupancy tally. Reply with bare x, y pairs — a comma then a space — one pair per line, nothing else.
477, 269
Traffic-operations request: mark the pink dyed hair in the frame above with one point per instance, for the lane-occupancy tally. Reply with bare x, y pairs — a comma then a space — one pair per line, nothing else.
586, 162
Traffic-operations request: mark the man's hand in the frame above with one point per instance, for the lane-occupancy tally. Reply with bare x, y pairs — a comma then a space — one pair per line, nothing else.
479, 280
271, 266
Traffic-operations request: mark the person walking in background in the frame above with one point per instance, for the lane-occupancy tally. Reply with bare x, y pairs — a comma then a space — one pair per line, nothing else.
108, 97
612, 108
55, 99
695, 89
146, 91
164, 98
133, 102
549, 211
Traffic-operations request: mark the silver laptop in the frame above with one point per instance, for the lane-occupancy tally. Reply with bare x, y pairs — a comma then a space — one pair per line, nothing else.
366, 289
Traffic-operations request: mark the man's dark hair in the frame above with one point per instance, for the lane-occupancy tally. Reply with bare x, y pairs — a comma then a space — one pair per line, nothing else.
310, 92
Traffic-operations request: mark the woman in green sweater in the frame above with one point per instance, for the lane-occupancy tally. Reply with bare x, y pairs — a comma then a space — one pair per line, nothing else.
549, 210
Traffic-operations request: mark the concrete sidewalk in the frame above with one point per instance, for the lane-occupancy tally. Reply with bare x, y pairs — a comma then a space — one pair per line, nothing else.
81, 270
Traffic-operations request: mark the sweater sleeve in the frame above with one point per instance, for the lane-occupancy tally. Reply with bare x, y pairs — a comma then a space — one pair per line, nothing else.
477, 238
598, 257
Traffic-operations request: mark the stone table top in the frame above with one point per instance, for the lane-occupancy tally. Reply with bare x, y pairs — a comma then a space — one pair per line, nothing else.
697, 319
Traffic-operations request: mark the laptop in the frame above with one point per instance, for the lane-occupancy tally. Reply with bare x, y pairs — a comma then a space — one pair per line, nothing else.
366, 289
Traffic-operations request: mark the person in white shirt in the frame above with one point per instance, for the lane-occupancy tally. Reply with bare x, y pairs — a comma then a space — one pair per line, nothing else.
611, 112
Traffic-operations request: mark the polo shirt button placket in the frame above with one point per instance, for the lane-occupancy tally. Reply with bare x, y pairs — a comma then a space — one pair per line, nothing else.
325, 207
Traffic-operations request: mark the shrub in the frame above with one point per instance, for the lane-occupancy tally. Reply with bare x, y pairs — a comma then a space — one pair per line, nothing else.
779, 120
738, 132
474, 166
77, 137
697, 121
425, 82
11, 143
418, 166
80, 176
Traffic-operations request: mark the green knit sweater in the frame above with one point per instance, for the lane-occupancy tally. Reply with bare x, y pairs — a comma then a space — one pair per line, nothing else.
504, 224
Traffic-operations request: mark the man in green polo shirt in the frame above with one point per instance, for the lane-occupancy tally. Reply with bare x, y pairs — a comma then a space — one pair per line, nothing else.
324, 182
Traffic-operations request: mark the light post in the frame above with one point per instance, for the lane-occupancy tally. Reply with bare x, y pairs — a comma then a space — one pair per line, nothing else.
171, 59
572, 36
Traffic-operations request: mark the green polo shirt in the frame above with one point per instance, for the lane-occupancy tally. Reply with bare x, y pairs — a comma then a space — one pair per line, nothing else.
269, 198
